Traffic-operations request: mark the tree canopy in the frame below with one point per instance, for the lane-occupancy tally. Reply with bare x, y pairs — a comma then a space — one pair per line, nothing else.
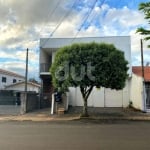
86, 65
145, 8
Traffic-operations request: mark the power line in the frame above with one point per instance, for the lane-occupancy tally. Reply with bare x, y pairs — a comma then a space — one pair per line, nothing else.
58, 25
102, 2
50, 14
86, 18
63, 18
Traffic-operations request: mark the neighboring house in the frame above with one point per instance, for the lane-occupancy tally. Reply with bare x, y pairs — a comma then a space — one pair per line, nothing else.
8, 77
140, 88
20, 86
98, 98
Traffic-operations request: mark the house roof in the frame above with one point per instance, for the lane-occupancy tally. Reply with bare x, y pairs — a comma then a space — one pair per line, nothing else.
138, 71
23, 82
6, 72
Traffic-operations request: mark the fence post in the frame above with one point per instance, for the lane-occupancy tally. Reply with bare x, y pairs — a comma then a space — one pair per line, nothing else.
23, 108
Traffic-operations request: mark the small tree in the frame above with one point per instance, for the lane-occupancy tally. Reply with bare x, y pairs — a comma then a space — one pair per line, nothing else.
87, 65
145, 8
33, 80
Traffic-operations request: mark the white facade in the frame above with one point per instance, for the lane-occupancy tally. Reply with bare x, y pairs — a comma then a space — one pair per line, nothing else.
50, 46
102, 97
7, 78
137, 92
21, 87
98, 98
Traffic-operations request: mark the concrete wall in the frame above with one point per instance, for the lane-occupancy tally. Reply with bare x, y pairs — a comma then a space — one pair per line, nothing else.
7, 98
31, 104
101, 97
136, 95
44, 57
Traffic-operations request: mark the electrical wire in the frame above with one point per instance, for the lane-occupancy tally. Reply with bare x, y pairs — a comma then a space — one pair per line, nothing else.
102, 3
58, 25
50, 14
86, 18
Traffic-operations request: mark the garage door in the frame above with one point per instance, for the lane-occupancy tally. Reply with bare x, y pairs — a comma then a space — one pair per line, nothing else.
113, 98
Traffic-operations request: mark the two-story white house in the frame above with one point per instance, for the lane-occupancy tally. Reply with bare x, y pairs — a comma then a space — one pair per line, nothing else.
98, 98
8, 77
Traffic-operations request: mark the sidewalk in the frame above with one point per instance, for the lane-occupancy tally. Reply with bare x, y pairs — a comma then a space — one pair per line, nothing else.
74, 114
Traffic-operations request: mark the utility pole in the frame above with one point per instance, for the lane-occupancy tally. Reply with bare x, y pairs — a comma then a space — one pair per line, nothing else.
142, 65
26, 83
26, 73
142, 60
25, 96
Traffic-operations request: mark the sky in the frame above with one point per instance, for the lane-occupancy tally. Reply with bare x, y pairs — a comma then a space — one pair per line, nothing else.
24, 22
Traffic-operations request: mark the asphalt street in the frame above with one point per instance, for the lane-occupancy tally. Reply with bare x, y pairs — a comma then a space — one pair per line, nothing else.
74, 135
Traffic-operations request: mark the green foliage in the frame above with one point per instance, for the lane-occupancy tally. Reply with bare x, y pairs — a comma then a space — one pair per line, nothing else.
145, 8
87, 65
33, 80
109, 63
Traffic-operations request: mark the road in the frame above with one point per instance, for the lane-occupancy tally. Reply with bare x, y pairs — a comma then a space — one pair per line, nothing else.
74, 136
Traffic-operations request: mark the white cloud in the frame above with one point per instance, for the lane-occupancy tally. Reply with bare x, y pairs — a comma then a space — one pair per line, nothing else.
18, 67
23, 23
125, 17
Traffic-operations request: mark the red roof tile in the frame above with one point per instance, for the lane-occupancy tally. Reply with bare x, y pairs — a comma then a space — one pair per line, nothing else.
138, 71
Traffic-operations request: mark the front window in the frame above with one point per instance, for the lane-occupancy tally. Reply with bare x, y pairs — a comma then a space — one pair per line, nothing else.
14, 80
4, 79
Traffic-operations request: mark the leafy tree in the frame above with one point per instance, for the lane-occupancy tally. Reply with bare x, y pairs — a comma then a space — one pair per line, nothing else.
33, 80
86, 65
145, 8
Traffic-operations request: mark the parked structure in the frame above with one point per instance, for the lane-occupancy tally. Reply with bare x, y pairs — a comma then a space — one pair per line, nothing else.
8, 77
140, 88
99, 97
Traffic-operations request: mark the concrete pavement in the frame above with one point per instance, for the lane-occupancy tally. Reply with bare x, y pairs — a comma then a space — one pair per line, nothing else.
74, 114
9, 110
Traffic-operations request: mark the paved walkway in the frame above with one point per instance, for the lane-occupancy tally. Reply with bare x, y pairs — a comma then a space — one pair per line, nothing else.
9, 110
74, 114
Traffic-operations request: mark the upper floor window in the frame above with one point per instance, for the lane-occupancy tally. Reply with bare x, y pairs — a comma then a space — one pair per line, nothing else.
14, 80
4, 79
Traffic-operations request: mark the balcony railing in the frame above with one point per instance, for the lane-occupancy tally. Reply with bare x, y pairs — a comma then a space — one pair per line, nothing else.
44, 67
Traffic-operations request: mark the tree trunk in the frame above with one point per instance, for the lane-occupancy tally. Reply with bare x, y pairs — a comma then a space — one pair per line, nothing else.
85, 94
85, 109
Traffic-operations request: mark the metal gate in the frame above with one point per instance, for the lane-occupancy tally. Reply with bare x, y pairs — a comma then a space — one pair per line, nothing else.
9, 103
147, 92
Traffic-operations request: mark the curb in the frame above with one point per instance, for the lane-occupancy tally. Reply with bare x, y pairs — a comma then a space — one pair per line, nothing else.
71, 118
137, 118
36, 118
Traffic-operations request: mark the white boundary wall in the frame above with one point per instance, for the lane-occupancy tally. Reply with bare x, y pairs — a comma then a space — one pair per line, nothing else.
137, 92
101, 97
